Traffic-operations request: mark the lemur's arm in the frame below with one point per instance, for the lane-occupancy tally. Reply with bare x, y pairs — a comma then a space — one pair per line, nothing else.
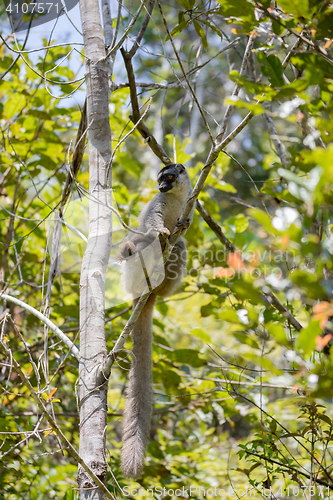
152, 218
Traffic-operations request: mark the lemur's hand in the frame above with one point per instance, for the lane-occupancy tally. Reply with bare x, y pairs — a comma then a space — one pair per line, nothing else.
164, 231
183, 224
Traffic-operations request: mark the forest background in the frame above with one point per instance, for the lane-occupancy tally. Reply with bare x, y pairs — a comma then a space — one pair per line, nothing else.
242, 365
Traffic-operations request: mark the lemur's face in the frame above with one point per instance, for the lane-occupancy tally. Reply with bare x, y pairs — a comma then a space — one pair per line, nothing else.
171, 176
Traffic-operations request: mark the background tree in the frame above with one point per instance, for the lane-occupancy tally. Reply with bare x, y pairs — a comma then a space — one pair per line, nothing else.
240, 92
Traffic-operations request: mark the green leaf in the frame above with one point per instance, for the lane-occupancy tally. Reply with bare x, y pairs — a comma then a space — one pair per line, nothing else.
188, 357
178, 29
246, 291
246, 339
70, 494
230, 315
325, 418
278, 332
185, 4
325, 27
201, 334
298, 8
306, 338
201, 33
13, 105
128, 164
271, 67
235, 8
213, 28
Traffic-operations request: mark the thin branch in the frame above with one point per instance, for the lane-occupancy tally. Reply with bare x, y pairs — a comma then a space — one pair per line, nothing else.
245, 62
178, 83
215, 227
124, 311
231, 248
143, 28
115, 34
74, 350
289, 468
125, 333
136, 125
213, 155
39, 401
184, 74
124, 35
136, 116
280, 149
162, 86
319, 50
76, 160
18, 57
254, 383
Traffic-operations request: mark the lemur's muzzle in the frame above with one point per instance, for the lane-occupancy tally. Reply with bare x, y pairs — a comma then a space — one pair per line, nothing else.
164, 187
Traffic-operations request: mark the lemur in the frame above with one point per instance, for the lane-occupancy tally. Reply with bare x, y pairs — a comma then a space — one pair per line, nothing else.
140, 255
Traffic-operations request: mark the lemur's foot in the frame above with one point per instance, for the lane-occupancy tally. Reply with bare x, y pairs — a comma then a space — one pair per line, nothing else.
127, 249
183, 223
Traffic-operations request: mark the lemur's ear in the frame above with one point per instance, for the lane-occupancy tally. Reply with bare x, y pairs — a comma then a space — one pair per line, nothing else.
180, 167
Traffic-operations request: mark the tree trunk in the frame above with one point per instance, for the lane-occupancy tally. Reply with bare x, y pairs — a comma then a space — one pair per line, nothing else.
93, 387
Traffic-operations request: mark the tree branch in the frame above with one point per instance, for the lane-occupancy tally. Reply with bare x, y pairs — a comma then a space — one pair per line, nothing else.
227, 115
7, 352
124, 35
288, 468
143, 28
74, 350
125, 334
184, 74
136, 116
231, 248
76, 160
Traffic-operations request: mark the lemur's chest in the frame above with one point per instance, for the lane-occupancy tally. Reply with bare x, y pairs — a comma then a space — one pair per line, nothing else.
173, 210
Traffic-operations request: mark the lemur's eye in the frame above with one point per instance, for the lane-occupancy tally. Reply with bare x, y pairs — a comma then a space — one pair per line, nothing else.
159, 182
170, 177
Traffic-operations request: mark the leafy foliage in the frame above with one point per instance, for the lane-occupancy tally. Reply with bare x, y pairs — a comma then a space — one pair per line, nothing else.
243, 396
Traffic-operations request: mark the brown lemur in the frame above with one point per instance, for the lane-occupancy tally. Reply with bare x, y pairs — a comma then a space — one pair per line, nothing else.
142, 269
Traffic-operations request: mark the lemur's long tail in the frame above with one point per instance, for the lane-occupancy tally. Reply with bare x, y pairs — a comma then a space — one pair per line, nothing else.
138, 406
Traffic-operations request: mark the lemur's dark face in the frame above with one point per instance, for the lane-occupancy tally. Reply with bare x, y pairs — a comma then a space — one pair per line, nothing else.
169, 176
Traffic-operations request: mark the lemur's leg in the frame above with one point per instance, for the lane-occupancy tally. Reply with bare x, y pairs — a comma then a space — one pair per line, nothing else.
175, 268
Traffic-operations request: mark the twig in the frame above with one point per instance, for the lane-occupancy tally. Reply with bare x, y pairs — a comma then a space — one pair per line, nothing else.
74, 350
231, 248
184, 74
289, 468
77, 158
124, 311
124, 35
136, 116
136, 125
178, 83
319, 50
125, 333
115, 34
280, 149
39, 401
246, 58
143, 28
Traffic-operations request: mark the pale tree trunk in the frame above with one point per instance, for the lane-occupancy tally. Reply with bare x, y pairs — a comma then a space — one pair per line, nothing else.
92, 385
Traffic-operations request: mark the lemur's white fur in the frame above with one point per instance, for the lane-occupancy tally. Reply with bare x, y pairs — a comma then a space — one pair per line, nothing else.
161, 214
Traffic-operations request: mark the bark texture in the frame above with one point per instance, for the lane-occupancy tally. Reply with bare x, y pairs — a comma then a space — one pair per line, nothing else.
93, 386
